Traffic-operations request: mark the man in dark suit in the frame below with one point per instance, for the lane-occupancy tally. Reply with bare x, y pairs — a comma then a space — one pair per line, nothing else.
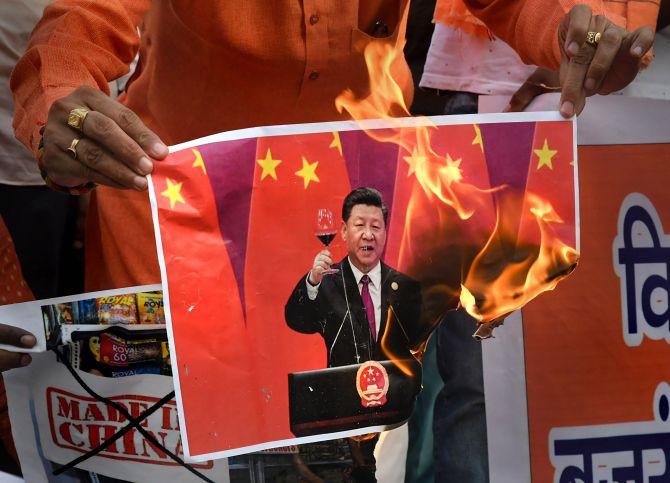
366, 310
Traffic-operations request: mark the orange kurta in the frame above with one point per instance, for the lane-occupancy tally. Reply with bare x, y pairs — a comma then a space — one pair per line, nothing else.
211, 66
13, 290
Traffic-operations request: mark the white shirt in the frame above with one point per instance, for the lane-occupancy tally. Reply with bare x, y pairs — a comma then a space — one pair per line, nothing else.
458, 61
17, 19
375, 287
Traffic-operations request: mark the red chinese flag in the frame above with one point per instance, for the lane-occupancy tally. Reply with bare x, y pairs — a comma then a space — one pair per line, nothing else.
551, 176
294, 177
207, 317
441, 241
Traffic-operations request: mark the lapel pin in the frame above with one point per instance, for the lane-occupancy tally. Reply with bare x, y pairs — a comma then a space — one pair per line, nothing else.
394, 285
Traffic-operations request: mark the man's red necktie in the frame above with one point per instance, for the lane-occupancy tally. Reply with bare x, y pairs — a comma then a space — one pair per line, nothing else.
369, 306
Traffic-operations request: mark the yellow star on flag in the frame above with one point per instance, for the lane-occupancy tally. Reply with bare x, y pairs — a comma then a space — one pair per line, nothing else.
199, 163
336, 142
173, 192
545, 154
308, 172
414, 160
478, 138
452, 170
269, 166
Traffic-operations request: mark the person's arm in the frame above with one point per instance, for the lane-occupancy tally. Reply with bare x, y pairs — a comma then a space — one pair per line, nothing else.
635, 15
530, 26
75, 43
74, 51
302, 312
553, 34
302, 309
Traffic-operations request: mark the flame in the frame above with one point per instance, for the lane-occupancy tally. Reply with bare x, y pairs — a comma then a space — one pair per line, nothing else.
468, 302
438, 175
509, 268
506, 280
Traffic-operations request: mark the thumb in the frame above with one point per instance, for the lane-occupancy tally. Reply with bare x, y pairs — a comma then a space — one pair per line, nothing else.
15, 336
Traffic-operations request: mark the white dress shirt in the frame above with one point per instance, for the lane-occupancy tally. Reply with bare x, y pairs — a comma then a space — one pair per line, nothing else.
375, 287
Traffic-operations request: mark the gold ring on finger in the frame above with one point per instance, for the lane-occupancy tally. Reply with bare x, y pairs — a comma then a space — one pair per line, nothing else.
73, 148
592, 38
77, 117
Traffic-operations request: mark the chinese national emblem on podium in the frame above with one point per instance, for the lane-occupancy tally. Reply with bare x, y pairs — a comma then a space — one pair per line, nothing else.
372, 383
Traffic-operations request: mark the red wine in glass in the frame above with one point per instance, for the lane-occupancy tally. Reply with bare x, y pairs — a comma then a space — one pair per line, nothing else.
325, 230
326, 238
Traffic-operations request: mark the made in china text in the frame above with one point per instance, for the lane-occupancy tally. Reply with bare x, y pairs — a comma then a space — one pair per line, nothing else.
82, 424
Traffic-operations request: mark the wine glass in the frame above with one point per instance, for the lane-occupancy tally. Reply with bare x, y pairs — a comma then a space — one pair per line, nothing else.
325, 230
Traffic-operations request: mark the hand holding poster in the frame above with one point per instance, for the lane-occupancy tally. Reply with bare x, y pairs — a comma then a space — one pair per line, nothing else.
286, 349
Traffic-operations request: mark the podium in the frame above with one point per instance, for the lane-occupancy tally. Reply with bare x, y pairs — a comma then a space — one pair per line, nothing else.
328, 400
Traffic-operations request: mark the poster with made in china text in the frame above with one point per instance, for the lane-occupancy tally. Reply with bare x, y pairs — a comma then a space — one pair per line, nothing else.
305, 266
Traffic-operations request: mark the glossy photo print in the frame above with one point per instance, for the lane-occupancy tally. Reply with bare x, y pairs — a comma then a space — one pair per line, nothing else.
304, 267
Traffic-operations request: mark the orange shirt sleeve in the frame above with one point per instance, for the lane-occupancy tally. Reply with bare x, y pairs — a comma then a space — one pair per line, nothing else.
531, 26
638, 13
76, 42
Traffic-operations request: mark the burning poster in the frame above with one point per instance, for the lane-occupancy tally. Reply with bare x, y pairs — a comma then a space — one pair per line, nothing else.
305, 266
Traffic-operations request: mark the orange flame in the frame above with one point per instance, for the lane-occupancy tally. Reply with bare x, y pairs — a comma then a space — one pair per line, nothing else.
438, 175
506, 280
510, 269
469, 303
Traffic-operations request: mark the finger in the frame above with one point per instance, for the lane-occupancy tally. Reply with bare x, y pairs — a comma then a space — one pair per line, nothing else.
107, 133
11, 360
325, 259
608, 47
573, 96
321, 267
96, 161
579, 19
128, 121
523, 96
323, 263
92, 164
66, 171
639, 42
16, 336
59, 163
